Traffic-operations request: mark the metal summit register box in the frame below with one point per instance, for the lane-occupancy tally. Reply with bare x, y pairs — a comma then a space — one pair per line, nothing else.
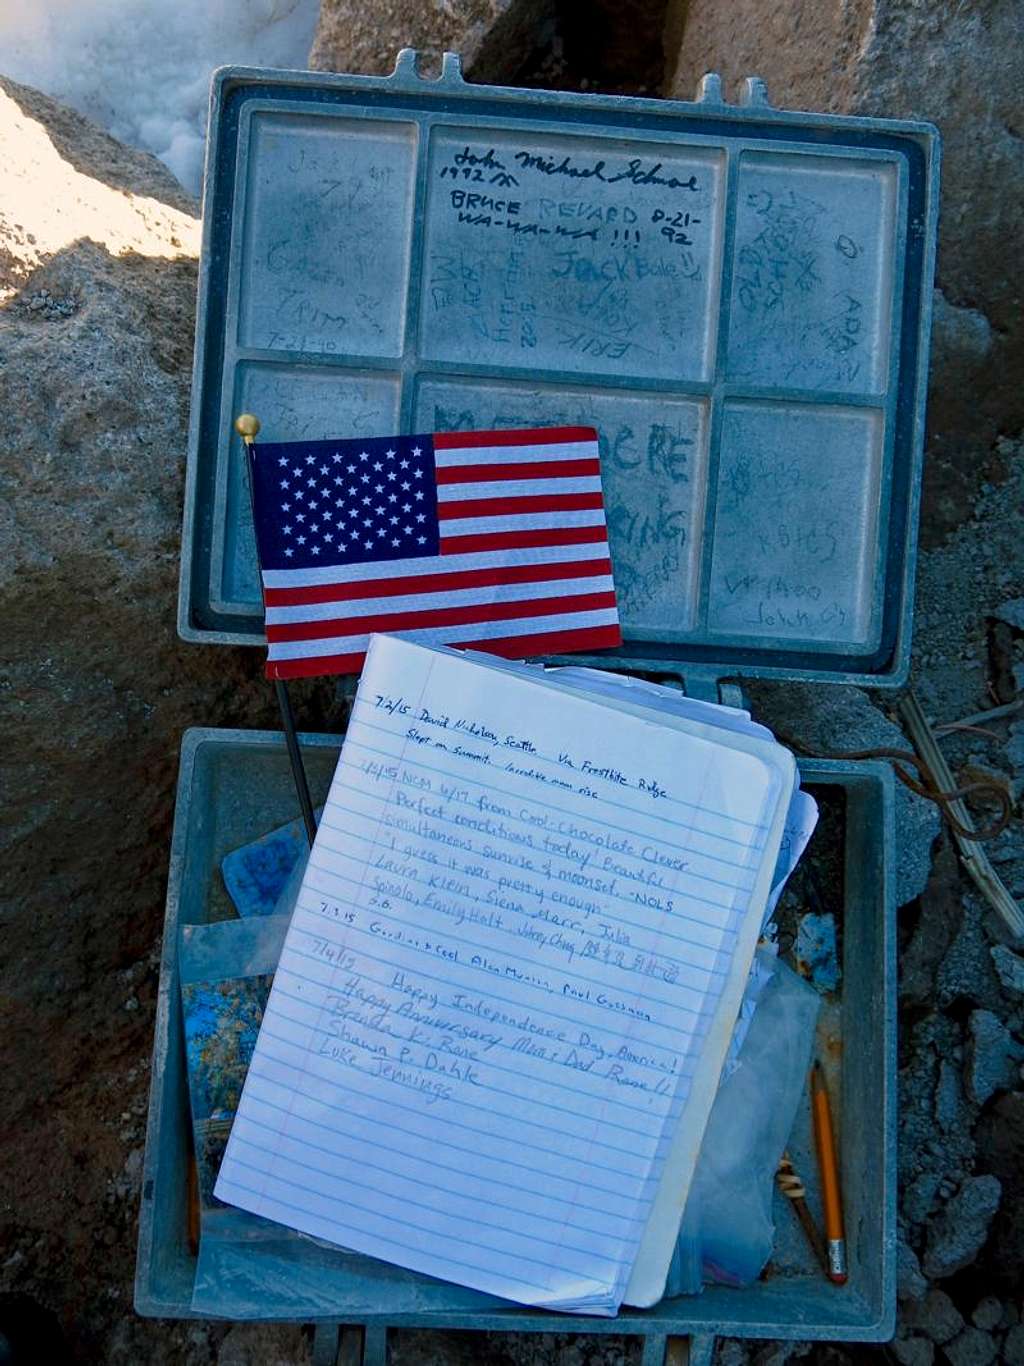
738, 298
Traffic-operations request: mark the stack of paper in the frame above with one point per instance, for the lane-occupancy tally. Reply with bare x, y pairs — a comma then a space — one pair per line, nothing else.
511, 978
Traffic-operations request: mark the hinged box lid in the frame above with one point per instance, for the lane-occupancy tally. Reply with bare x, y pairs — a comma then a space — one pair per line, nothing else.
737, 297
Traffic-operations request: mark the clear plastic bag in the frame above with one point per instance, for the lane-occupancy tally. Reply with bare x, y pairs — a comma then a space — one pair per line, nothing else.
727, 1231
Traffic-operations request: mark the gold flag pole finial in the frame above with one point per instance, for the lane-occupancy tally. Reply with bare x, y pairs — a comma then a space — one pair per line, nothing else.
248, 427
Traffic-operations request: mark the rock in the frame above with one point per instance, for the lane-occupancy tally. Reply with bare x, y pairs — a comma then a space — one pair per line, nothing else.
966, 971
264, 1344
832, 718
1000, 1136
960, 66
971, 1348
993, 1058
910, 1284
988, 1313
950, 1110
961, 337
1012, 612
1013, 1346
912, 1351
731, 1352
919, 1198
938, 923
936, 1316
493, 37
957, 1234
1009, 968
98, 688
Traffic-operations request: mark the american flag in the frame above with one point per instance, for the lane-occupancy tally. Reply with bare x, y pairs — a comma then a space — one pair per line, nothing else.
491, 539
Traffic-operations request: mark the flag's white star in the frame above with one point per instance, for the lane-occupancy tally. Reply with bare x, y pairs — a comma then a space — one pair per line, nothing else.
421, 540
309, 460
302, 540
300, 516
313, 506
288, 550
367, 521
403, 464
390, 454
420, 516
315, 527
392, 497
287, 530
341, 545
328, 536
406, 486
394, 542
311, 483
368, 544
351, 469
380, 531
297, 472
417, 474
378, 488
364, 478
336, 456
418, 494
407, 507
379, 512
338, 480
392, 474
327, 515
393, 521
286, 507
283, 460
364, 455
416, 450
367, 500
298, 494
377, 466
314, 550
324, 469
285, 484
407, 530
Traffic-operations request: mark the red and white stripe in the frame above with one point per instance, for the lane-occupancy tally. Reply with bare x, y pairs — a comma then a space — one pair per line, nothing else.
523, 566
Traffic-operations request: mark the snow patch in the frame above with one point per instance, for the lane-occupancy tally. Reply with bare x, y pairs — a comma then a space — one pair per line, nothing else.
141, 69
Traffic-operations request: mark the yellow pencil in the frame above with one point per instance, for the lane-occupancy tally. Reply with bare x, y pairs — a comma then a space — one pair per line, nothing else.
828, 1166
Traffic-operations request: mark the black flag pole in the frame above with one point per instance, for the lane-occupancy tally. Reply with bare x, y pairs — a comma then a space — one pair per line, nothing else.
247, 426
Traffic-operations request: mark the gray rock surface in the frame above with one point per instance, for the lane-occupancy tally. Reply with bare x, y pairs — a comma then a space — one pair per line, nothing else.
936, 1316
910, 1283
960, 66
987, 1313
972, 1348
826, 719
1009, 968
993, 1057
1013, 1346
957, 1234
366, 37
94, 392
913, 1351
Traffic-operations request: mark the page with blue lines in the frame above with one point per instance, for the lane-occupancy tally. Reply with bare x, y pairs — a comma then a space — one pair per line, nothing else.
501, 983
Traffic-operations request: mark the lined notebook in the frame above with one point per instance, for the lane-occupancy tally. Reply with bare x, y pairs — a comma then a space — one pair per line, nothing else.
510, 979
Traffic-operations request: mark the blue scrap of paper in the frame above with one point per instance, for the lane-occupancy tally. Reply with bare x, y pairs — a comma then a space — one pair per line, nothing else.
256, 874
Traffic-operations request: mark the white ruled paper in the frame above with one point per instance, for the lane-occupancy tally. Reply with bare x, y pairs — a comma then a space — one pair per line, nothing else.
496, 991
